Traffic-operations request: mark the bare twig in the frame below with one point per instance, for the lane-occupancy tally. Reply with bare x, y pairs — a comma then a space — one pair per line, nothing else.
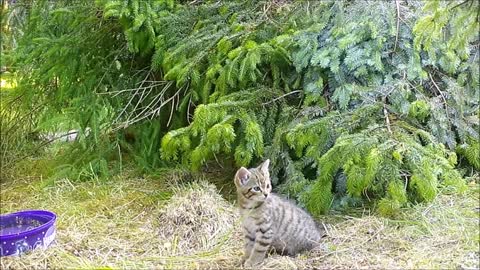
116, 93
188, 109
151, 109
385, 113
462, 3
171, 112
282, 96
440, 92
438, 89
266, 7
105, 73
397, 2
131, 99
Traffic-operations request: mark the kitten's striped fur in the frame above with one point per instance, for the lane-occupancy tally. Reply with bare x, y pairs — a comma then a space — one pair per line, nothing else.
270, 221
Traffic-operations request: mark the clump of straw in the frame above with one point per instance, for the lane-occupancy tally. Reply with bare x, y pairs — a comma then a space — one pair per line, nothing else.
196, 219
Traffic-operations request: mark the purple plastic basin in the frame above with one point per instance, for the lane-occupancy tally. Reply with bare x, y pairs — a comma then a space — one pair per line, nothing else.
26, 230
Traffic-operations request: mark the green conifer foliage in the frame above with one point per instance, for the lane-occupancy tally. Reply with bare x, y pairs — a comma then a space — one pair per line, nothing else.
213, 132
471, 151
351, 100
66, 59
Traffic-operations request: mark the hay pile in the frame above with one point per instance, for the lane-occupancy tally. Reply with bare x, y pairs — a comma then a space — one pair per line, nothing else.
196, 219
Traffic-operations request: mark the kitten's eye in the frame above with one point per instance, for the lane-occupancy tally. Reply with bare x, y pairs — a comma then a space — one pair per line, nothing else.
256, 189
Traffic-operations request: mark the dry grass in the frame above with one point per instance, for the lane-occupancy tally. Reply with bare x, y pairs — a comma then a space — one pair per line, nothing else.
120, 223
146, 223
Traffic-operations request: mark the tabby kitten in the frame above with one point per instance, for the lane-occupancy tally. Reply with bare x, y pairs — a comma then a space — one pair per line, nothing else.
270, 221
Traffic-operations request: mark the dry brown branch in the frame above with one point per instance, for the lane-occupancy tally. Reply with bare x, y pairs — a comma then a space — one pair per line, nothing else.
440, 92
282, 96
385, 114
397, 3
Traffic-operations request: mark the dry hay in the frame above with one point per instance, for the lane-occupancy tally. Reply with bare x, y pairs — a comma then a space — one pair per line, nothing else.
196, 219
441, 235
125, 223
139, 223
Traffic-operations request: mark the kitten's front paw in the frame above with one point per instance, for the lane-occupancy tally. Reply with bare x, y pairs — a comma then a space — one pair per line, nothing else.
241, 262
250, 263
244, 259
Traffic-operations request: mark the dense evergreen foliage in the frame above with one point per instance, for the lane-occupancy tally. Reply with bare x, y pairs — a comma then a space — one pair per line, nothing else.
374, 100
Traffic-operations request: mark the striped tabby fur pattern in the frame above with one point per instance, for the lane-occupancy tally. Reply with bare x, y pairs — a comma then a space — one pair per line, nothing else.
270, 221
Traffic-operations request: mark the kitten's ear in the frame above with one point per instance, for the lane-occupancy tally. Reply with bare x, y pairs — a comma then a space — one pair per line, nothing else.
264, 167
242, 176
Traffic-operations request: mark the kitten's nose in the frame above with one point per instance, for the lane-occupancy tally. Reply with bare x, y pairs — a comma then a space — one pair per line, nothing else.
265, 194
